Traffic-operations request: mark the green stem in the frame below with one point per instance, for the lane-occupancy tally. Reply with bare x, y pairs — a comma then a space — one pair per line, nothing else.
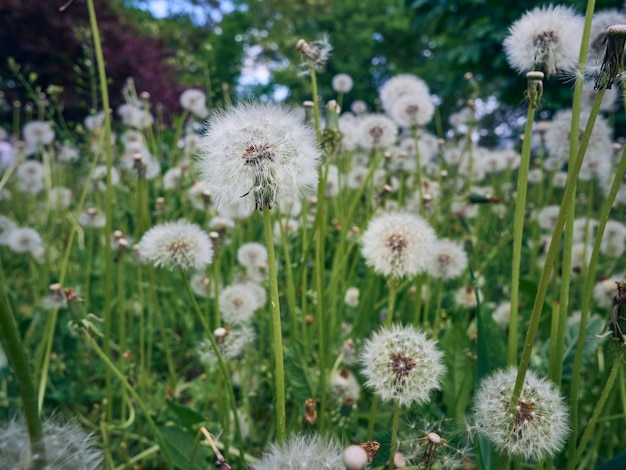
518, 230
108, 204
17, 357
542, 287
372, 418
393, 287
279, 366
418, 169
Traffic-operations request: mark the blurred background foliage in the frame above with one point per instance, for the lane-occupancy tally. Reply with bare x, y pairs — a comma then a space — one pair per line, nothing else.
246, 48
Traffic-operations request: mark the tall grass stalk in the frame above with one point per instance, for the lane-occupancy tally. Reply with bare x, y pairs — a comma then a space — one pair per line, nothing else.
108, 198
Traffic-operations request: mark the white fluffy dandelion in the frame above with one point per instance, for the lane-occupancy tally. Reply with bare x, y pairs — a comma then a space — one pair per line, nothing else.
67, 445
400, 86
415, 109
302, 452
252, 255
6, 227
342, 83
546, 39
195, 102
402, 364
25, 240
177, 245
448, 260
257, 154
230, 342
398, 244
535, 430
237, 303
376, 131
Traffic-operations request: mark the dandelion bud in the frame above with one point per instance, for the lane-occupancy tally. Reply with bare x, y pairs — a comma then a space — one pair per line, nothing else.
535, 88
613, 61
160, 205
354, 457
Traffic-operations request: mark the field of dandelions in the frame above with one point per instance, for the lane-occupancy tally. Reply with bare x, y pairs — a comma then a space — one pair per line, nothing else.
291, 286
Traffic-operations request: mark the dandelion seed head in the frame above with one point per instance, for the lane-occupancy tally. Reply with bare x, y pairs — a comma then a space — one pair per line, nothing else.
402, 364
255, 155
448, 260
398, 244
342, 83
67, 446
535, 430
178, 244
545, 39
377, 131
302, 452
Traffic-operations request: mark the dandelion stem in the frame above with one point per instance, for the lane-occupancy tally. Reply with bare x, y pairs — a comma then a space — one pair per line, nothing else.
518, 230
393, 287
279, 366
108, 201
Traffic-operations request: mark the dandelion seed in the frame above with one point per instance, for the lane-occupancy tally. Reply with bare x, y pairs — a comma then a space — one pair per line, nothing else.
402, 364
177, 245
